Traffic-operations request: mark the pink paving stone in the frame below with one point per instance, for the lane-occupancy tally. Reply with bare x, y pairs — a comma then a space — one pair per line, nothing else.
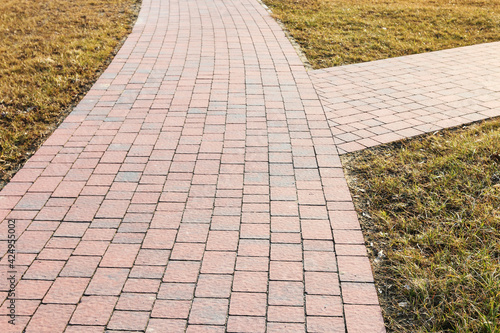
286, 293
313, 212
21, 322
52, 213
243, 324
248, 304
348, 237
43, 270
159, 239
254, 264
137, 285
32, 289
152, 257
135, 301
364, 318
94, 310
255, 231
84, 209
209, 311
128, 320
188, 251
316, 229
326, 324
359, 293
45, 184
174, 309
250, 281
344, 219
286, 271
354, 269
311, 197
322, 283
320, 305
43, 225
254, 248
120, 255
153, 272
80, 266
286, 314
320, 261
62, 243
285, 327
284, 208
286, 238
176, 291
285, 224
100, 234
50, 318
286, 252
32, 201
107, 281
9, 202
218, 262
113, 208
157, 325
214, 285
22, 259
350, 250
182, 271
223, 240
66, 290
23, 308
67, 229
32, 241
192, 232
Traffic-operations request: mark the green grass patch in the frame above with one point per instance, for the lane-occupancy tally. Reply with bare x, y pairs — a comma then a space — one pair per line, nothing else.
51, 53
430, 208
340, 32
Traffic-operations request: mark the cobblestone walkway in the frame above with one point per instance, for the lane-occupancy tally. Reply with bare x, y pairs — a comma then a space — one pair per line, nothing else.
197, 188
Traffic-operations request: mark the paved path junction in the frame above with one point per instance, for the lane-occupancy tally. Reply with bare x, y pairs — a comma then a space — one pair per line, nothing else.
198, 188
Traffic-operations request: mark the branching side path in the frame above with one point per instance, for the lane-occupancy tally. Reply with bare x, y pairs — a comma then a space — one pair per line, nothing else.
387, 100
197, 187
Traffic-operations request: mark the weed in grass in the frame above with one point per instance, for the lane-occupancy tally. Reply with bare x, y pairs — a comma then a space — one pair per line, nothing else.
434, 204
51, 52
340, 32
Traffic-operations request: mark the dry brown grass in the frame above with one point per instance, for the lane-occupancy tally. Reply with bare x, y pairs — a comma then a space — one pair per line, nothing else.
51, 52
430, 209
340, 32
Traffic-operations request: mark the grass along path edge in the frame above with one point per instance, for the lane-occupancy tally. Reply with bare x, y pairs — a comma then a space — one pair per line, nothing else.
430, 212
52, 52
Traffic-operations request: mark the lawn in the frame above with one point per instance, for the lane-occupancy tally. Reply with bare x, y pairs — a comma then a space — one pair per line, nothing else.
51, 53
340, 32
430, 206
430, 211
